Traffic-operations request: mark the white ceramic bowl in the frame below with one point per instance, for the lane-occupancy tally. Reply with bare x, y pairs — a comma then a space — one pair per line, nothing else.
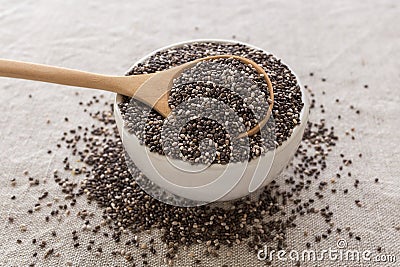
237, 180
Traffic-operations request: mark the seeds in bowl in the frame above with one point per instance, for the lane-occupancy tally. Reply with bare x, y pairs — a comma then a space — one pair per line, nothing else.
226, 81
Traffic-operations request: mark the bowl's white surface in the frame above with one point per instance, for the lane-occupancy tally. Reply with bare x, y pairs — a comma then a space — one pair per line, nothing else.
160, 170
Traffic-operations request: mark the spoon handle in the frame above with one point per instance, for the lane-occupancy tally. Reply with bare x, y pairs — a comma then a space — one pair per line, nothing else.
37, 72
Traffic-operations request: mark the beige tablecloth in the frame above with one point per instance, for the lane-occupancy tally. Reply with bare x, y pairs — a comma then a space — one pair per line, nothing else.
350, 43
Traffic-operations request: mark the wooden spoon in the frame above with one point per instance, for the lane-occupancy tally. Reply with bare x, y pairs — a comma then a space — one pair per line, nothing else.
151, 89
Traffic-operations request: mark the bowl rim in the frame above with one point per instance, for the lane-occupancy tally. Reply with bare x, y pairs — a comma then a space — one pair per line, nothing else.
302, 115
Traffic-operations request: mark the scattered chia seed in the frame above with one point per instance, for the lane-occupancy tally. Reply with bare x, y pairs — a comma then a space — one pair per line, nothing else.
23, 228
43, 244
48, 253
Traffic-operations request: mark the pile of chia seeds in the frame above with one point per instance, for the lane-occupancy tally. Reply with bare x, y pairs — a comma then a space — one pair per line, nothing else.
226, 81
255, 221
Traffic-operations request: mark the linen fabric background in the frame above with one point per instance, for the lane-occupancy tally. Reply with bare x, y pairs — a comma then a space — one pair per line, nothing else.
350, 43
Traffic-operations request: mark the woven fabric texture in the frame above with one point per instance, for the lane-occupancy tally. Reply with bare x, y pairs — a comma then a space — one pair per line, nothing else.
350, 43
